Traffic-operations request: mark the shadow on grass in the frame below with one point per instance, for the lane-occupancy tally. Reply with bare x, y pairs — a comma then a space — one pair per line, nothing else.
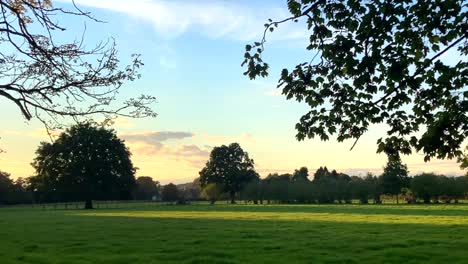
416, 210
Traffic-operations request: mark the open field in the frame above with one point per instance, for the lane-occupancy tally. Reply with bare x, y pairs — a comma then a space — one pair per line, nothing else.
237, 234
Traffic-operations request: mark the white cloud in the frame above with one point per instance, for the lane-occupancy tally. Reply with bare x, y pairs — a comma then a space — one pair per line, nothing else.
214, 19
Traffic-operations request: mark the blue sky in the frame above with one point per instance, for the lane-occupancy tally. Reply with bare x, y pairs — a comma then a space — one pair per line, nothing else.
192, 52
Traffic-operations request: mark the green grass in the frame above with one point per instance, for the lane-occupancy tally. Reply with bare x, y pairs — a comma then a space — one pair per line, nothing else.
237, 234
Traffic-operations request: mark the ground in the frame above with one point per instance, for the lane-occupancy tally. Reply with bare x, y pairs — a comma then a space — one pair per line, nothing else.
236, 234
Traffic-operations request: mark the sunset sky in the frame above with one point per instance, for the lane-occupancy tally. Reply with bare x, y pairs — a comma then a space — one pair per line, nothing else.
192, 52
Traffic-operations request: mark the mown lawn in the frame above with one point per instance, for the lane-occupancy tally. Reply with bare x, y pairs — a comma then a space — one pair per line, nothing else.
237, 234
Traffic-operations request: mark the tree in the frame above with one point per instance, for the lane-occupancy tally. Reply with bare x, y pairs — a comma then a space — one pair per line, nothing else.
6, 187
212, 192
170, 193
301, 174
146, 188
379, 62
47, 78
276, 187
464, 161
86, 162
322, 172
426, 186
230, 167
395, 176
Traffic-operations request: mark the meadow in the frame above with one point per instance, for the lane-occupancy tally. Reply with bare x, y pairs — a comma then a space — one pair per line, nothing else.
224, 233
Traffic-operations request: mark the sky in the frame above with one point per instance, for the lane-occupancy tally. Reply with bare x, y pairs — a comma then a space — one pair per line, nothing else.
192, 52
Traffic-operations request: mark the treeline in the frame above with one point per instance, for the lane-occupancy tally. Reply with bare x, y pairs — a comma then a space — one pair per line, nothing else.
333, 187
24, 191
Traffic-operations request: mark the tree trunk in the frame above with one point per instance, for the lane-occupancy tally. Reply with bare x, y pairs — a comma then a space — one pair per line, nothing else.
397, 199
232, 197
88, 204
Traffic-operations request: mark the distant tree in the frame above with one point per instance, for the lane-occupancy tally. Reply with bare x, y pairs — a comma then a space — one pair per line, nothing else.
395, 176
276, 187
47, 78
372, 62
301, 174
254, 191
86, 162
426, 186
360, 189
320, 173
212, 192
191, 190
300, 191
146, 188
230, 167
6, 187
170, 193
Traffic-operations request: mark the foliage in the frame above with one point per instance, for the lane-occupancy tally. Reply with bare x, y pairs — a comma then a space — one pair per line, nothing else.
47, 78
464, 161
379, 62
395, 176
212, 192
301, 174
146, 188
14, 192
5, 187
230, 167
426, 186
86, 162
429, 186
170, 193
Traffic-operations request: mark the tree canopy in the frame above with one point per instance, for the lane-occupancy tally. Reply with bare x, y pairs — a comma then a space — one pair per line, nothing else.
86, 162
230, 167
170, 193
146, 188
402, 63
395, 176
47, 78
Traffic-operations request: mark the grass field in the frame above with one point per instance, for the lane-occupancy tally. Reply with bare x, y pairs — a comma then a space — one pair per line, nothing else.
237, 234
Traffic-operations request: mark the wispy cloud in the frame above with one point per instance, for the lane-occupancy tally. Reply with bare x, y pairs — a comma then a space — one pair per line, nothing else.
214, 19
153, 137
149, 145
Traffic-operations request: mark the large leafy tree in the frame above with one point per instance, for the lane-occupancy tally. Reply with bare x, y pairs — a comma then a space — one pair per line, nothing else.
86, 162
230, 167
48, 78
402, 63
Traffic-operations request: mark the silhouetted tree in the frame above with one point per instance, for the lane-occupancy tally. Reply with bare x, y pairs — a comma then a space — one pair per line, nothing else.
146, 188
191, 191
395, 176
170, 193
6, 186
463, 161
230, 167
426, 186
276, 187
301, 174
86, 162
379, 62
47, 78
